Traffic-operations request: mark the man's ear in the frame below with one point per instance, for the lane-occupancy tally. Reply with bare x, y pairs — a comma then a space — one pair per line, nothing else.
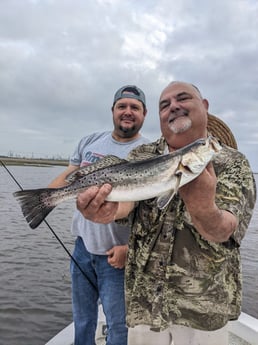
205, 103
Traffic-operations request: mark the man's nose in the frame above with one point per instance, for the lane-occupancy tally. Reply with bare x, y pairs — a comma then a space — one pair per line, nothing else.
128, 109
174, 105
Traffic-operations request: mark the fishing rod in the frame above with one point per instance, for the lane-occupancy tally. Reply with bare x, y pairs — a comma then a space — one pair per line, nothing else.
52, 230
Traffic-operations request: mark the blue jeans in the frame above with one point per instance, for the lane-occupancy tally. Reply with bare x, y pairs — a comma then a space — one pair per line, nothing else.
104, 282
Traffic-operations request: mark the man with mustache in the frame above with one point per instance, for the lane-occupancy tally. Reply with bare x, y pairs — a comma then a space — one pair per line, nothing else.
100, 250
183, 274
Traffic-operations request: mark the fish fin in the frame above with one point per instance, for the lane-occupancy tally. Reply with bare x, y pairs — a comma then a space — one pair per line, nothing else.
33, 206
165, 198
102, 163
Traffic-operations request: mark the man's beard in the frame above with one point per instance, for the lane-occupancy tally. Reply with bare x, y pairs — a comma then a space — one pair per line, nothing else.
128, 132
180, 124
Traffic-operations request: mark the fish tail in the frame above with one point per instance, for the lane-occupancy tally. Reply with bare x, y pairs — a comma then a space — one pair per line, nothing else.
35, 204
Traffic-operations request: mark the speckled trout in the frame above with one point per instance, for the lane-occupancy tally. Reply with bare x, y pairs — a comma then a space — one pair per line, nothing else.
158, 177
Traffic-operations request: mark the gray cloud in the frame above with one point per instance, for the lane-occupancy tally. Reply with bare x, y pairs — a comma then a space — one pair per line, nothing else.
61, 62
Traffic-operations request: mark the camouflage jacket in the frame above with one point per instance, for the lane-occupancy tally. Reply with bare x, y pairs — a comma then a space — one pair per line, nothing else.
174, 275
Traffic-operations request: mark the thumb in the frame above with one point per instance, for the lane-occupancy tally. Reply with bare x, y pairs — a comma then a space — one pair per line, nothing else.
110, 252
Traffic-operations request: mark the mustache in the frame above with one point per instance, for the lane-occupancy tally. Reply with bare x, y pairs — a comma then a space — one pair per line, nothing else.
177, 113
127, 117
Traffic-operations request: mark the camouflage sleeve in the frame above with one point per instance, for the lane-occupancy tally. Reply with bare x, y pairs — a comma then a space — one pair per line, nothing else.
140, 153
146, 151
236, 190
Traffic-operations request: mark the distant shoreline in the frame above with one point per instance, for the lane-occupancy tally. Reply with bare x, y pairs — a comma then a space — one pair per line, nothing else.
43, 162
39, 162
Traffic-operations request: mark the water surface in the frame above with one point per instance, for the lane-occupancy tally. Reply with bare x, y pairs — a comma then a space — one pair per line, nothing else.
35, 290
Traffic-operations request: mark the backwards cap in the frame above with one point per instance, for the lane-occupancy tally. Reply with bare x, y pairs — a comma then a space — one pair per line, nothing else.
130, 91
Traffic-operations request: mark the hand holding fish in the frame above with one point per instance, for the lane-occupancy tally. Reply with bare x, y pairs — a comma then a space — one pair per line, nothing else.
199, 194
199, 197
93, 206
131, 181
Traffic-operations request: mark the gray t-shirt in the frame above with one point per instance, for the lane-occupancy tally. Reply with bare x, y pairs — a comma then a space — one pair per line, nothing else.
98, 238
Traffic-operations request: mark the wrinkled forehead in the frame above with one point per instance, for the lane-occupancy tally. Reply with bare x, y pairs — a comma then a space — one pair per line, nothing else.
176, 88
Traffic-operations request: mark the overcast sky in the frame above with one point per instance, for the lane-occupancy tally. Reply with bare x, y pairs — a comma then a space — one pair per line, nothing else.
61, 62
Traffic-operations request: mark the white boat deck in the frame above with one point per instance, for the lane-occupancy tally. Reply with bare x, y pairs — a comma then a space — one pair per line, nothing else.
244, 331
